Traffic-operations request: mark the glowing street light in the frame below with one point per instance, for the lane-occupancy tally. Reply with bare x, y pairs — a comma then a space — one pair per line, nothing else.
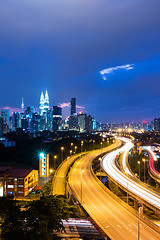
75, 148
71, 152
62, 149
93, 144
55, 157
139, 212
139, 163
101, 147
81, 145
144, 160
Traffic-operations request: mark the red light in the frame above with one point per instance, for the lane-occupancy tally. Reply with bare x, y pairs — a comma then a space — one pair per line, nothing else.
144, 121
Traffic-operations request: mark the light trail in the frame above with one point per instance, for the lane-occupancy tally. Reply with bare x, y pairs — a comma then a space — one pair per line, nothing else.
108, 163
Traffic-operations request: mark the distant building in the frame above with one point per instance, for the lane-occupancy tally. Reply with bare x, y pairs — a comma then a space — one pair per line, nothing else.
82, 122
157, 124
43, 165
5, 115
1, 126
73, 122
57, 118
17, 182
33, 126
16, 120
7, 143
73, 106
89, 124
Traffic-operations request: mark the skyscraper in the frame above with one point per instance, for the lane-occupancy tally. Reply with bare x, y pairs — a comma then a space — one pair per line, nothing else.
57, 118
73, 106
5, 115
44, 103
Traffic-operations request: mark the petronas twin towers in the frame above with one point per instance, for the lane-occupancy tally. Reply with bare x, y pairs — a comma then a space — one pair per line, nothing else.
44, 103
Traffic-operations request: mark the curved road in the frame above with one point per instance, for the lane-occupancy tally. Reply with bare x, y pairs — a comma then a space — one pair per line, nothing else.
117, 222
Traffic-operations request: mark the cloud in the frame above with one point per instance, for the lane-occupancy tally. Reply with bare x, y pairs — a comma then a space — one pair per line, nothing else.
63, 105
107, 71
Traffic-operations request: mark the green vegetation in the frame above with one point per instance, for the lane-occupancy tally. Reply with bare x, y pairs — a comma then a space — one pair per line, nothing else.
38, 220
26, 152
47, 188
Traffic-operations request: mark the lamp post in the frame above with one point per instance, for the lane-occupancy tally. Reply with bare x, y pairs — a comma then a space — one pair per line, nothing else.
55, 157
70, 152
144, 160
139, 170
81, 184
81, 145
93, 144
101, 147
75, 148
139, 213
62, 149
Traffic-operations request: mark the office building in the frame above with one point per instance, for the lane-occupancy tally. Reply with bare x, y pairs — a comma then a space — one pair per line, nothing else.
5, 115
157, 124
82, 122
57, 118
73, 106
44, 103
17, 182
1, 126
16, 120
43, 165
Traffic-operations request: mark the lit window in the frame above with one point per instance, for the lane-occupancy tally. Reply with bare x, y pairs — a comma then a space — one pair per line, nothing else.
10, 186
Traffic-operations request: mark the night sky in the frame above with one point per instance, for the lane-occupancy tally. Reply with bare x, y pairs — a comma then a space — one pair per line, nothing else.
106, 53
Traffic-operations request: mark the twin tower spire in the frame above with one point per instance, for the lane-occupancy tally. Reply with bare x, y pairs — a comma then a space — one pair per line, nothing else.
44, 103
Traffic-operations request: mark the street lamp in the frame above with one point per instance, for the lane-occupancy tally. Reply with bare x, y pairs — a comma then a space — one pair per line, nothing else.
144, 160
81, 184
101, 147
100, 166
62, 149
93, 144
81, 145
55, 157
70, 152
139, 170
139, 213
75, 148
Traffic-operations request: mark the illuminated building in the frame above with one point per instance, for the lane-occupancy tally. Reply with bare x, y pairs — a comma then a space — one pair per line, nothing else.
16, 120
44, 103
73, 106
82, 122
43, 165
5, 115
1, 126
57, 118
17, 182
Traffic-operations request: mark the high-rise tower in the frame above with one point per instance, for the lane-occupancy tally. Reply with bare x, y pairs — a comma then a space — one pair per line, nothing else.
44, 103
73, 106
22, 106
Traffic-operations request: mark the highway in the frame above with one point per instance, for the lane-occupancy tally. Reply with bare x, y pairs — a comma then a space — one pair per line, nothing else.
117, 222
59, 179
108, 164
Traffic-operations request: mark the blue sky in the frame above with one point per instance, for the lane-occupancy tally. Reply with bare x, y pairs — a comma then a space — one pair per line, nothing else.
62, 46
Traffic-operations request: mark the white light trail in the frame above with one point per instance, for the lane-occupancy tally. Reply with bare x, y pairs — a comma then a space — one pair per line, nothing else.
108, 163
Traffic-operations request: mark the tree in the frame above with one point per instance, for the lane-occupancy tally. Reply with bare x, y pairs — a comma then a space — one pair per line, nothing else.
40, 220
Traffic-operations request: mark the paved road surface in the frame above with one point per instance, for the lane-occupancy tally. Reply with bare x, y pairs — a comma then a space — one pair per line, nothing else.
117, 222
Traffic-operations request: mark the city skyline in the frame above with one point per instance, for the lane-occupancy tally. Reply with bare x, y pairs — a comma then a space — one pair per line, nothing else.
68, 54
